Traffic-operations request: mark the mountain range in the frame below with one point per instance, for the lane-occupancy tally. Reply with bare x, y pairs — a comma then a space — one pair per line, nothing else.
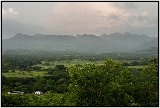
115, 42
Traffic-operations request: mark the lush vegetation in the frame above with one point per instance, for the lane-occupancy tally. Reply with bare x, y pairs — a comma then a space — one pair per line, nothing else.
75, 81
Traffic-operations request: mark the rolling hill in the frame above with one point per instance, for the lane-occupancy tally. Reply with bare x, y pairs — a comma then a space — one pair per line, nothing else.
115, 42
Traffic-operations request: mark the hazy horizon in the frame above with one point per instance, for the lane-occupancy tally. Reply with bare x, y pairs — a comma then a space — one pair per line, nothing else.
74, 35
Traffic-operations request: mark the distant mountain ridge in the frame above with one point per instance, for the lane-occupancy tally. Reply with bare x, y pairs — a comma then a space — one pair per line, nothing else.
149, 44
115, 42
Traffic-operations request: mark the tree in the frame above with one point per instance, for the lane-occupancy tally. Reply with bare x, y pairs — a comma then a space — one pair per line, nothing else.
61, 67
134, 63
101, 85
149, 84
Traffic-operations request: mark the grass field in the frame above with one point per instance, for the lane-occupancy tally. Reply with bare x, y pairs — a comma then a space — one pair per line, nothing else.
135, 67
47, 65
25, 74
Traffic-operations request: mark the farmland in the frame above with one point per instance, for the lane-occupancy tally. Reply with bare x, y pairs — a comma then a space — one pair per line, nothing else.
44, 65
76, 81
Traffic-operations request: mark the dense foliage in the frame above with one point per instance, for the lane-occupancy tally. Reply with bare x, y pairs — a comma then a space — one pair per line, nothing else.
107, 84
147, 85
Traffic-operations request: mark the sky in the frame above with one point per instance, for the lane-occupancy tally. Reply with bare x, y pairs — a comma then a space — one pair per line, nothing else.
79, 18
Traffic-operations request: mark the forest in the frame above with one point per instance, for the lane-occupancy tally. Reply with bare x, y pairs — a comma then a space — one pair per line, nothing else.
79, 79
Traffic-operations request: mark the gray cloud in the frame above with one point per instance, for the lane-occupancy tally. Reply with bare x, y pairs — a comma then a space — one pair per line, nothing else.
126, 5
101, 18
10, 27
79, 18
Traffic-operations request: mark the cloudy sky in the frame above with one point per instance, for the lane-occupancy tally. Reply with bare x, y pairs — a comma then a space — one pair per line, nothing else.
79, 18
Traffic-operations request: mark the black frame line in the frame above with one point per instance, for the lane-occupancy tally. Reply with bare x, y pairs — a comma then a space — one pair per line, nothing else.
77, 2
80, 1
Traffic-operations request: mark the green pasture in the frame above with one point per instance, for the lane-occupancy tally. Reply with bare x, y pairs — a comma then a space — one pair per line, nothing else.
135, 67
24, 74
